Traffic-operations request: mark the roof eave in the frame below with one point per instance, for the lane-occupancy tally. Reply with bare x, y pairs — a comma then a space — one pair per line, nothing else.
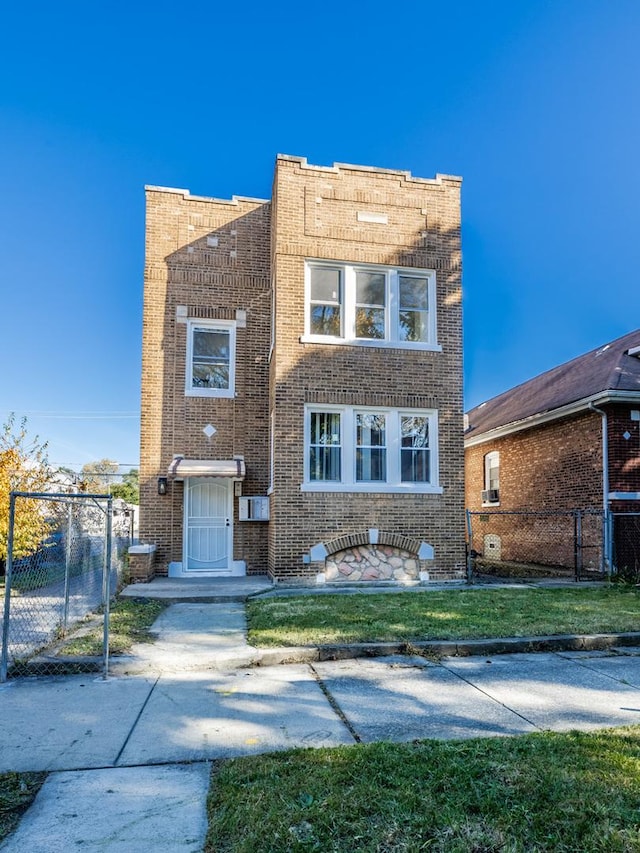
602, 397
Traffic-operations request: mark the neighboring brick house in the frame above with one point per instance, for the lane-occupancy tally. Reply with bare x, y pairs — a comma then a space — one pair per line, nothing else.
568, 439
302, 379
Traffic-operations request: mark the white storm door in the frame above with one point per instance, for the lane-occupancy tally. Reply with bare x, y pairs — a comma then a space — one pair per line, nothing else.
208, 525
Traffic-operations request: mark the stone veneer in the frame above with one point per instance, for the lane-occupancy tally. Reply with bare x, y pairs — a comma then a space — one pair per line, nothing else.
372, 563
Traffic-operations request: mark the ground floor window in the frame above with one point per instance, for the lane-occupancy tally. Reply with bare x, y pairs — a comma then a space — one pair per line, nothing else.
374, 450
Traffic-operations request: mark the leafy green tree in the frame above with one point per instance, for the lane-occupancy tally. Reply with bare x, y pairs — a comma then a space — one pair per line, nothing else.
129, 489
24, 467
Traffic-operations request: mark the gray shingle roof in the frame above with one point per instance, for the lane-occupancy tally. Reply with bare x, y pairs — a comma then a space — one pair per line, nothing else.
608, 368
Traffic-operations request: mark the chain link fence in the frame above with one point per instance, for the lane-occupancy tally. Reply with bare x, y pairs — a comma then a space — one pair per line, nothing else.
536, 545
55, 581
626, 545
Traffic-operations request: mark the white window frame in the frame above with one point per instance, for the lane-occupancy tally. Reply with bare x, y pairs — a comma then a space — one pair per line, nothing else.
213, 326
393, 483
392, 306
489, 458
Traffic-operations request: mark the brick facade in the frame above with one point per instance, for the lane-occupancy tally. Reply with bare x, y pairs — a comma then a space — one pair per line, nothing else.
558, 465
183, 268
216, 259
624, 454
554, 467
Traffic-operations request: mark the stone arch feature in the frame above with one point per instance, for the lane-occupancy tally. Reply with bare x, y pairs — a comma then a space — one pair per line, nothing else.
374, 555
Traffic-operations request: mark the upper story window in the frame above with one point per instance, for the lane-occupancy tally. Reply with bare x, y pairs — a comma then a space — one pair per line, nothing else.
326, 302
367, 450
491, 491
370, 305
210, 358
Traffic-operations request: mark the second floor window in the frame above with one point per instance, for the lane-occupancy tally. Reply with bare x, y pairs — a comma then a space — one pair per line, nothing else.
325, 302
370, 305
210, 359
491, 491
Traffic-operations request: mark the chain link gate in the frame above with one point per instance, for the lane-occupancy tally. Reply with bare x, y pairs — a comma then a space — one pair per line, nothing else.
536, 544
54, 581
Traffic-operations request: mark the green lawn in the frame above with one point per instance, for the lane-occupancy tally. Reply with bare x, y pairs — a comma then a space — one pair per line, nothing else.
441, 615
129, 623
544, 792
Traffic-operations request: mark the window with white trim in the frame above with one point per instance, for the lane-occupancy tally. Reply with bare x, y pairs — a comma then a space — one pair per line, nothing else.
210, 358
370, 450
370, 305
491, 492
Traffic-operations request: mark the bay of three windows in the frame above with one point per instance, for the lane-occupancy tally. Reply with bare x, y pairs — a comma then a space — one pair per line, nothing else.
372, 305
357, 449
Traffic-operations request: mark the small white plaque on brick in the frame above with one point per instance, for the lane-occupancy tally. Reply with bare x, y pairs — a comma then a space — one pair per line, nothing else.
376, 218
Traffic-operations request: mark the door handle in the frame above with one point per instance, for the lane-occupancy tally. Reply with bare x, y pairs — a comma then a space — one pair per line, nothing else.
227, 522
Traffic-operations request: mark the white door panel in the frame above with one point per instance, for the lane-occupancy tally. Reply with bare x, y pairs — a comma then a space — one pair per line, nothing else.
208, 525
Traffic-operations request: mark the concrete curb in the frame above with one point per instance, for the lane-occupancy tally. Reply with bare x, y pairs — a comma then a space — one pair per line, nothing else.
448, 648
129, 665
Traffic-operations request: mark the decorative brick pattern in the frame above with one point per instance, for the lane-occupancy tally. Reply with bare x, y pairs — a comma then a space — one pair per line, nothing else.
363, 537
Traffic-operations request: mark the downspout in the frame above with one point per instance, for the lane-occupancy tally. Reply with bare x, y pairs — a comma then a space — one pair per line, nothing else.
605, 487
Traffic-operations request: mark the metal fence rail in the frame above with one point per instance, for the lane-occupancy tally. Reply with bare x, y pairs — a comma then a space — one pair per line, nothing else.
52, 585
537, 544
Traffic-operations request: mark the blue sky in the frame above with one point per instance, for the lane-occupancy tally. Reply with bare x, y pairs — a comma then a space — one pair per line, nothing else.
534, 103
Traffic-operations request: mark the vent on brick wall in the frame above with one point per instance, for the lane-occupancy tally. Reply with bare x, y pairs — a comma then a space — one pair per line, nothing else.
490, 496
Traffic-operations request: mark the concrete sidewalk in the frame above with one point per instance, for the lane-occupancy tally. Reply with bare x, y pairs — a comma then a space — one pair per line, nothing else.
134, 748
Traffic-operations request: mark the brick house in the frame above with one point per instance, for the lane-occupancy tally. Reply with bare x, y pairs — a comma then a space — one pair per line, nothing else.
302, 379
565, 440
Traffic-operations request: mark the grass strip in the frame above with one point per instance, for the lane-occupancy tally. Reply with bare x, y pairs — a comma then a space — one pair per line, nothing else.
129, 623
566, 793
17, 792
456, 614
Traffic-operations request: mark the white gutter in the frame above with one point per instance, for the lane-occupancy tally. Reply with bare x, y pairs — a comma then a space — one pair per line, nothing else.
601, 398
605, 486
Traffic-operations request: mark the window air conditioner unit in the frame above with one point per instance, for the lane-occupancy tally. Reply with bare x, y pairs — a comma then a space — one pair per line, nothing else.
253, 509
490, 496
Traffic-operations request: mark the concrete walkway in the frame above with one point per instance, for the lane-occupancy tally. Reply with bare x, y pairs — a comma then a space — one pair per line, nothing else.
128, 757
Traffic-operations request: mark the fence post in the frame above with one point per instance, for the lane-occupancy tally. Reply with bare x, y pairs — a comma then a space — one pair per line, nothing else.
67, 571
469, 547
106, 585
577, 543
7, 590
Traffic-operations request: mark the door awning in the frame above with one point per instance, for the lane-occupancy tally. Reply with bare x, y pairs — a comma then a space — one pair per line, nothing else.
181, 468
